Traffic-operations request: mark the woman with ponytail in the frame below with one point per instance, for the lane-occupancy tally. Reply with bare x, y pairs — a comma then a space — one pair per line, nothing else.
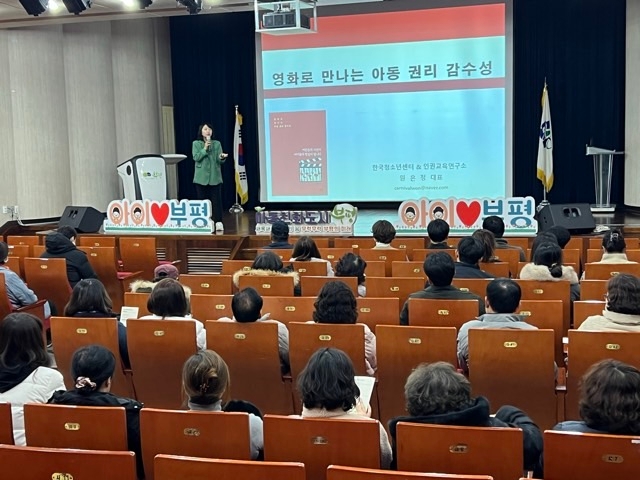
547, 267
613, 248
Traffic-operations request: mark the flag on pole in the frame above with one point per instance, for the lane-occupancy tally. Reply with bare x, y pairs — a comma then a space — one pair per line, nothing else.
545, 144
242, 188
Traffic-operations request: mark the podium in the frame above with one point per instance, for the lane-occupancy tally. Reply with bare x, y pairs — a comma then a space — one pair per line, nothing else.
602, 171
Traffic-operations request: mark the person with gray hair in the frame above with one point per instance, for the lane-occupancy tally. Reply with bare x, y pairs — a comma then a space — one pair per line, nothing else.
437, 394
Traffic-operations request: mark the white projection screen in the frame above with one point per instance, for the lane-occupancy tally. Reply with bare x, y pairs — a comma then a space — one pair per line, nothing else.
387, 102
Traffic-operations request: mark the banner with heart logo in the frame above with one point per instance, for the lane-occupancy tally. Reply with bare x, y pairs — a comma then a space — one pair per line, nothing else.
170, 217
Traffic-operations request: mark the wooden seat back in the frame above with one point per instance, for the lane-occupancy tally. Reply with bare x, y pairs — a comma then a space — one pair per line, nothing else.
536, 290
572, 256
280, 286
208, 284
28, 240
351, 473
334, 254
460, 450
251, 352
510, 256
314, 269
429, 312
71, 426
496, 269
321, 242
157, 351
229, 267
47, 277
473, 285
378, 311
37, 250
194, 434
596, 255
16, 256
584, 309
420, 254
408, 244
604, 271
522, 242
211, 307
138, 300
289, 309
16, 265
139, 254
96, 241
593, 457
311, 286
354, 243
6, 308
34, 462
283, 253
399, 350
388, 256
408, 269
6, 424
71, 333
320, 442
632, 242
593, 289
399, 287
375, 268
169, 467
546, 315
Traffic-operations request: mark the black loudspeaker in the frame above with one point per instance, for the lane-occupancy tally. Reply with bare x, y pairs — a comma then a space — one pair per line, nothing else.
575, 217
83, 219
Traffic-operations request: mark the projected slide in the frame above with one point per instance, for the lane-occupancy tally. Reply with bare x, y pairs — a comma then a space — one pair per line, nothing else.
387, 107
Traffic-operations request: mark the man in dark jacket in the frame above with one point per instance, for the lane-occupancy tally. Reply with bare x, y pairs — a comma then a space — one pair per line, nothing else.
62, 244
437, 394
438, 232
469, 252
440, 269
495, 225
279, 235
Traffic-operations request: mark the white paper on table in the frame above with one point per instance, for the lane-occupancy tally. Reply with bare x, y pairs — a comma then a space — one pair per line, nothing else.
128, 312
365, 384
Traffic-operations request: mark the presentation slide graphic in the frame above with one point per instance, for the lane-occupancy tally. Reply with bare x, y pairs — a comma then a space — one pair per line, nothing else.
388, 106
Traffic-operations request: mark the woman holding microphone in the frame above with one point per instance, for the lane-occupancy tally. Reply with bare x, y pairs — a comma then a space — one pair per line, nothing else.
207, 153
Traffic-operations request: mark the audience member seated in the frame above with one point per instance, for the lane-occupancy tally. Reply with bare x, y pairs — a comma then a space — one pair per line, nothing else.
495, 225
352, 265
328, 390
489, 244
438, 232
25, 373
336, 304
440, 270
437, 394
268, 264
613, 248
62, 244
159, 273
89, 299
205, 379
92, 368
469, 252
279, 235
502, 302
609, 400
19, 294
561, 233
547, 267
540, 239
622, 307
383, 233
168, 301
246, 306
306, 250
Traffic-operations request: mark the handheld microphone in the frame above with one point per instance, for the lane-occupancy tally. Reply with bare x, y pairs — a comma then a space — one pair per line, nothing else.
207, 139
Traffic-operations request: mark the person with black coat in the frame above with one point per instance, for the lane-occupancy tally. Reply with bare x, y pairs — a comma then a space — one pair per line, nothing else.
62, 244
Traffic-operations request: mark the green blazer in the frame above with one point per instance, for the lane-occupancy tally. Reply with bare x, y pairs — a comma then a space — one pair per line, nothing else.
207, 163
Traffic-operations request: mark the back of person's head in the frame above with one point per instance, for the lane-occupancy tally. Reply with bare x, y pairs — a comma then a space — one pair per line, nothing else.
440, 269
623, 294
613, 241
4, 252
610, 398
91, 367
166, 270
488, 242
21, 342
549, 255
503, 295
561, 233
539, 240
470, 250
305, 249
351, 265
495, 225
336, 303
167, 299
246, 305
89, 295
328, 381
383, 231
438, 230
435, 389
279, 231
205, 377
68, 232
268, 261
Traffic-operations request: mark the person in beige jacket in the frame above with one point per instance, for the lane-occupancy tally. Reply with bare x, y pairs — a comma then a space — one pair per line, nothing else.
622, 310
613, 248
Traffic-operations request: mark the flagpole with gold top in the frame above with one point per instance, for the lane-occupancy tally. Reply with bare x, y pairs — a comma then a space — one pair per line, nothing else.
236, 207
545, 149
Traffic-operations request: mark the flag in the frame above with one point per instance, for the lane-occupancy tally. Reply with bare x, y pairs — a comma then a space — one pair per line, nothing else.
242, 188
545, 144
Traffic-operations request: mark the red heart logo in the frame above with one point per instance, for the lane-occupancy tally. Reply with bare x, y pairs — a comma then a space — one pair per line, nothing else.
468, 214
160, 212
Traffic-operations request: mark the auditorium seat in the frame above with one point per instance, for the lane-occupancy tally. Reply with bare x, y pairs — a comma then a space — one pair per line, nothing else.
194, 434
522, 242
509, 256
229, 267
575, 243
378, 311
572, 256
289, 309
473, 285
408, 244
168, 467
593, 289
47, 277
352, 473
604, 271
66, 464
596, 255
374, 269
496, 269
17, 253
334, 254
271, 285
354, 243
37, 250
546, 314
208, 284
314, 269
210, 307
251, 352
587, 348
420, 254
584, 456
388, 256
6, 424
28, 240
6, 308
283, 253
138, 300
311, 286
584, 309
400, 349
71, 426
96, 241
68, 334
632, 243
460, 450
428, 312
407, 269
515, 367
536, 290
321, 242
399, 287
157, 351
320, 442
139, 254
